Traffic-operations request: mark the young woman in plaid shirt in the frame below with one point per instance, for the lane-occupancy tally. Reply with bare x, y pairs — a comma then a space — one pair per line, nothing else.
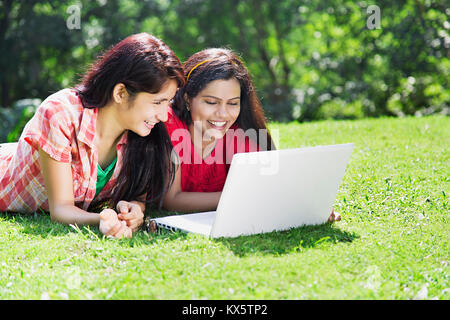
102, 140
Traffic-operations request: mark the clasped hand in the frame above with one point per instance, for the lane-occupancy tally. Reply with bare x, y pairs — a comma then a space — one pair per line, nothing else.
122, 224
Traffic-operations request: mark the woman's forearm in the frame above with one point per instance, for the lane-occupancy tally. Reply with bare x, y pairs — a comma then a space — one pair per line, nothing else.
192, 201
70, 214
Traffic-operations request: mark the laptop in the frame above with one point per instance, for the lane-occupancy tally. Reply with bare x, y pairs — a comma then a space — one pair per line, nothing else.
271, 191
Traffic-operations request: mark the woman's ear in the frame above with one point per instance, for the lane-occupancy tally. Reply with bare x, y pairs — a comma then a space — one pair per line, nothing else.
119, 93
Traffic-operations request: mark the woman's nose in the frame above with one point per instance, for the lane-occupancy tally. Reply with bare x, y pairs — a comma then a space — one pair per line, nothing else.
222, 110
162, 115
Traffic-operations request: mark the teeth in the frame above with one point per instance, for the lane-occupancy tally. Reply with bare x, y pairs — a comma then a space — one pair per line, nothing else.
217, 123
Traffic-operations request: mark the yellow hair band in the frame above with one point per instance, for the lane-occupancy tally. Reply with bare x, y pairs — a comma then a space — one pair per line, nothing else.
187, 79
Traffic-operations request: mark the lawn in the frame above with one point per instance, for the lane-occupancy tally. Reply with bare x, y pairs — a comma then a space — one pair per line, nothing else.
392, 242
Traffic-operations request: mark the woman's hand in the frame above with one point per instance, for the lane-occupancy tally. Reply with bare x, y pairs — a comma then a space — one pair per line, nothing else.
110, 225
334, 216
130, 213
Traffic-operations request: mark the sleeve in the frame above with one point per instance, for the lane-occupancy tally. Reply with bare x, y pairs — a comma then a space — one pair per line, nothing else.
51, 130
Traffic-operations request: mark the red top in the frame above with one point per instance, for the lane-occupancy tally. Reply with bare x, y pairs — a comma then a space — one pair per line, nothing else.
209, 174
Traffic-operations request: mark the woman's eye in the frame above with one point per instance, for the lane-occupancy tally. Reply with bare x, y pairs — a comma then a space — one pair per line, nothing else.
234, 104
157, 102
210, 102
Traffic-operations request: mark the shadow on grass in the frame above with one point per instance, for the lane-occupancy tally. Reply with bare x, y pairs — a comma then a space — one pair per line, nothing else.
290, 241
274, 243
40, 225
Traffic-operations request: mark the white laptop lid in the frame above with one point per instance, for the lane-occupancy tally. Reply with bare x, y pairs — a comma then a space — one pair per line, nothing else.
279, 190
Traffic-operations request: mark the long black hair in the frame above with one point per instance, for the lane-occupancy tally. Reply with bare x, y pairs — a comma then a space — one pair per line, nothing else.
143, 63
222, 64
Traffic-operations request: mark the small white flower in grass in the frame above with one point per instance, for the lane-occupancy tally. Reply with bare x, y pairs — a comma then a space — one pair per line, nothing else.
64, 295
423, 293
45, 296
231, 290
110, 294
373, 278
73, 278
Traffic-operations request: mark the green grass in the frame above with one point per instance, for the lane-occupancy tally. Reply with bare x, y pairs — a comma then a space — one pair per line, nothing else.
393, 241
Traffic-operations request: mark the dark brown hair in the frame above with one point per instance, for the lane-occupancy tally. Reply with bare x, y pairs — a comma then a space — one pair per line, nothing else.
222, 64
143, 63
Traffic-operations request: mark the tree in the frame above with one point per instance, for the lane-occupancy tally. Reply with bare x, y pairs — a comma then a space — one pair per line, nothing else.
309, 59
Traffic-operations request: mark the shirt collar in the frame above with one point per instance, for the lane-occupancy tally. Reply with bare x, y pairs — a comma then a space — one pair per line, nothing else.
88, 126
124, 139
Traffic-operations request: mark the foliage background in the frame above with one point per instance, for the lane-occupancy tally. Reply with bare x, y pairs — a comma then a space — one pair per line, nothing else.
309, 59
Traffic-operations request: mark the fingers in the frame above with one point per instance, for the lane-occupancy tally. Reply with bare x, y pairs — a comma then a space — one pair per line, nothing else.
123, 207
132, 211
107, 214
137, 219
128, 232
124, 224
108, 222
134, 216
153, 226
334, 216
109, 228
124, 232
121, 231
114, 229
134, 225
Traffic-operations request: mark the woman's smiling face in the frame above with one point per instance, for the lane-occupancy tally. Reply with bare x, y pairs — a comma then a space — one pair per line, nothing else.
215, 109
146, 109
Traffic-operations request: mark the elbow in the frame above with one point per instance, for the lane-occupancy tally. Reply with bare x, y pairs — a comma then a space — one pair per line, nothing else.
54, 215
57, 214
167, 205
170, 202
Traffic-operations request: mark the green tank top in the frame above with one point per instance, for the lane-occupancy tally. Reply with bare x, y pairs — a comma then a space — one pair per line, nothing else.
103, 176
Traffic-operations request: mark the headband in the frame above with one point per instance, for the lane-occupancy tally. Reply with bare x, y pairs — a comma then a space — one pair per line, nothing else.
187, 79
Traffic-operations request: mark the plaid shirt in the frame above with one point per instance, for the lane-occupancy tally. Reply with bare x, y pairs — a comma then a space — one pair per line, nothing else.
66, 131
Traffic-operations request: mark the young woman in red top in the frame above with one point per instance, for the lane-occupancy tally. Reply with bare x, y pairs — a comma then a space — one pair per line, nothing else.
111, 120
218, 98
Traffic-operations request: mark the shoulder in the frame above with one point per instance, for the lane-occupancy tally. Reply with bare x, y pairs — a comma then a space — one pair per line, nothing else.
64, 105
53, 126
173, 121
